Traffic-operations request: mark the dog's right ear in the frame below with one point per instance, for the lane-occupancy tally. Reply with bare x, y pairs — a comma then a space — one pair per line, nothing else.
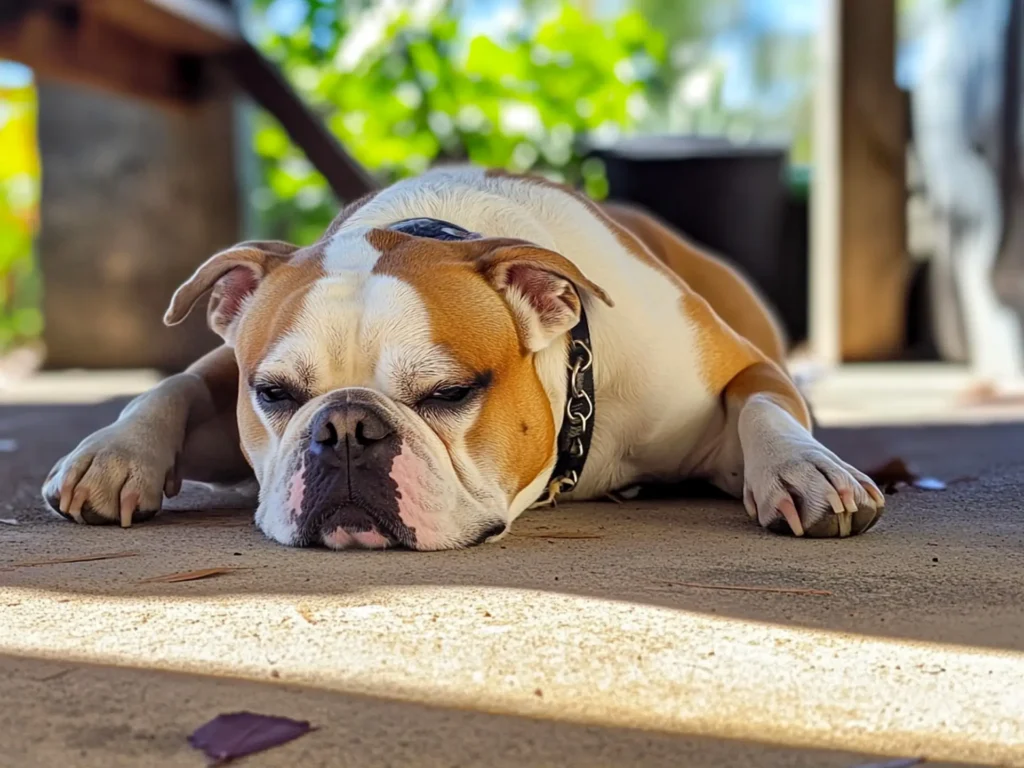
234, 275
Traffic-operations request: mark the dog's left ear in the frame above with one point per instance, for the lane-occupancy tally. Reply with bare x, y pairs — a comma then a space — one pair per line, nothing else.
541, 287
234, 275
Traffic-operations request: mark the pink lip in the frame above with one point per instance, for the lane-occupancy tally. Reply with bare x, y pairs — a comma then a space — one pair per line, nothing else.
296, 492
412, 477
339, 538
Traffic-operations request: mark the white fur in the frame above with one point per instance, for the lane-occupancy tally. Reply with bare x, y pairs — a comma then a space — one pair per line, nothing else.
653, 406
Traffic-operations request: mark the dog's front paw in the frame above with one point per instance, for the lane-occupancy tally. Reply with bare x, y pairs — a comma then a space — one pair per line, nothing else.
116, 475
806, 489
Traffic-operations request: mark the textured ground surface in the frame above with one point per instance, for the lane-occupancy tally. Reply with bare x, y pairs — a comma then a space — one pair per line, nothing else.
538, 651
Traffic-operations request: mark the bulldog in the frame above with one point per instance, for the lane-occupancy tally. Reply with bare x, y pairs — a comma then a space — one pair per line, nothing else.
456, 349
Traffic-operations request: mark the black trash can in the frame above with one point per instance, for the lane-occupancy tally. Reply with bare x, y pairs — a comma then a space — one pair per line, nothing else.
733, 200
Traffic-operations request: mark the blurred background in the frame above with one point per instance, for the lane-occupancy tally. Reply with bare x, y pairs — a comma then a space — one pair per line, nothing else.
858, 159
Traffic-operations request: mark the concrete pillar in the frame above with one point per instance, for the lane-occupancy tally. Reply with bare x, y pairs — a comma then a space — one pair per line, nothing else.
133, 199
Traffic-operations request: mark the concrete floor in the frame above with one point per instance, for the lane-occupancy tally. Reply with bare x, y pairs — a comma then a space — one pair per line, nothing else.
536, 651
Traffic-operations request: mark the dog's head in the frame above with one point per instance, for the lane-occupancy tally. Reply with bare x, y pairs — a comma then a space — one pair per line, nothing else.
388, 394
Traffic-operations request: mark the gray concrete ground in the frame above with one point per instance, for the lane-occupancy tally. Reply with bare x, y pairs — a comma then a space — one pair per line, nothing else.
541, 650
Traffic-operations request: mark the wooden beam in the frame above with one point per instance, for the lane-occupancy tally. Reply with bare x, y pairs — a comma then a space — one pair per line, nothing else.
155, 50
872, 125
67, 44
183, 26
264, 83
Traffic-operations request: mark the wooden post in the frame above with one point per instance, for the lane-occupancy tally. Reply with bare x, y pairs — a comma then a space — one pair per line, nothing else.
823, 269
859, 265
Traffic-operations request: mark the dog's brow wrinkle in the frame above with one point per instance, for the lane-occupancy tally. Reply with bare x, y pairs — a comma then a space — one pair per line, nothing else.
305, 370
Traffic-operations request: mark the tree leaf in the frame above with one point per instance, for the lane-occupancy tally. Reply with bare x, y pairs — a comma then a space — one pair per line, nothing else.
230, 736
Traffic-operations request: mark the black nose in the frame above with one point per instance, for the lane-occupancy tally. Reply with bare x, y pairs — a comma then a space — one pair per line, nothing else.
347, 429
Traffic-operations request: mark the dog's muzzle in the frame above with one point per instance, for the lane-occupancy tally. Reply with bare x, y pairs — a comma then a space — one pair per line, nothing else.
350, 498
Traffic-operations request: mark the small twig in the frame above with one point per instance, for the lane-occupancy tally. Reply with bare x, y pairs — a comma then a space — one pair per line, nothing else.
738, 588
557, 535
55, 675
231, 518
205, 573
79, 559
962, 479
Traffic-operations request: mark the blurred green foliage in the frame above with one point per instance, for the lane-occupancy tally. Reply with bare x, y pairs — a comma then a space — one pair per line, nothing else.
403, 90
20, 317
423, 91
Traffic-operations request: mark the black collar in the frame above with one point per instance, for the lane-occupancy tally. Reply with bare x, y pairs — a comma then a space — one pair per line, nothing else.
578, 425
435, 229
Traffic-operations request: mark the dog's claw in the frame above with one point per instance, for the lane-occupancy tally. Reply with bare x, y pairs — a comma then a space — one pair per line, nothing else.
128, 503
788, 510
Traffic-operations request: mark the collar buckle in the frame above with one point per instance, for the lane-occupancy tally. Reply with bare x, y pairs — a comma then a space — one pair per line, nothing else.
556, 487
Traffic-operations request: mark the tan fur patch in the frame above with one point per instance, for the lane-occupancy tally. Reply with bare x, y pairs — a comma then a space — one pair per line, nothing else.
734, 328
276, 305
515, 429
731, 297
765, 378
271, 314
722, 352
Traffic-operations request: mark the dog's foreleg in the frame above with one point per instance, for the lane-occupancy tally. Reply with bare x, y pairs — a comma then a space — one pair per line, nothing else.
791, 482
182, 429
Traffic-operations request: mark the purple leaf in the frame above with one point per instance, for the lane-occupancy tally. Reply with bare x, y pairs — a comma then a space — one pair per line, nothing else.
235, 735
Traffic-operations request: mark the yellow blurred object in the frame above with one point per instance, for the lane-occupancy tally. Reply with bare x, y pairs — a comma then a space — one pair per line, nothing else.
20, 318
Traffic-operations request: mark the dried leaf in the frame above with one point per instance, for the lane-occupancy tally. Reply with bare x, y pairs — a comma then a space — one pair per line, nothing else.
895, 473
9, 521
903, 762
204, 573
238, 734
80, 559
739, 588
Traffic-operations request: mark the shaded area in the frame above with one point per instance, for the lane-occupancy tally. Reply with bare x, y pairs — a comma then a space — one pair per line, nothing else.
943, 567
105, 716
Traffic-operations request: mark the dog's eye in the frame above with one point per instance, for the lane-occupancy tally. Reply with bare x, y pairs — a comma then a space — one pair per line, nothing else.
450, 394
446, 397
273, 395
